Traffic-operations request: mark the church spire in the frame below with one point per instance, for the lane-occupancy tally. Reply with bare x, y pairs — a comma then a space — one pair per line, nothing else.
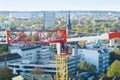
69, 21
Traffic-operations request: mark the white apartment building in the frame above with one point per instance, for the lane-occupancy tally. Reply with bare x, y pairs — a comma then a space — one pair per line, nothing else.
49, 66
99, 57
32, 53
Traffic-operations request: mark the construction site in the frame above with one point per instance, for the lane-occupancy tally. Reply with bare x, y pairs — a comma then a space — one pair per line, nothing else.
64, 57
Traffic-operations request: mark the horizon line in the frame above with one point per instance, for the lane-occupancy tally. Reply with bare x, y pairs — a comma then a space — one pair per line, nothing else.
59, 10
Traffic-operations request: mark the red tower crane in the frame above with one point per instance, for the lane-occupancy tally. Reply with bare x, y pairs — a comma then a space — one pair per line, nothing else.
41, 37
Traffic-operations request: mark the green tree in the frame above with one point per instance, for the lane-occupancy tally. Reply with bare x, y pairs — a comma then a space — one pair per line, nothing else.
91, 68
5, 73
114, 55
116, 50
2, 19
83, 66
3, 48
117, 41
114, 69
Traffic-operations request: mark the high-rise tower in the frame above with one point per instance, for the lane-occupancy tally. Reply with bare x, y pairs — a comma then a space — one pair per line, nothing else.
49, 19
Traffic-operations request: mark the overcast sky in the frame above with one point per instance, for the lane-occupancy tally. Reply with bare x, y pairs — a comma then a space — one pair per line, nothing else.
41, 5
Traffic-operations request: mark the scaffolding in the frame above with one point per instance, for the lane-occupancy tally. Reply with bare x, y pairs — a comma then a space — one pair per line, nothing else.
61, 67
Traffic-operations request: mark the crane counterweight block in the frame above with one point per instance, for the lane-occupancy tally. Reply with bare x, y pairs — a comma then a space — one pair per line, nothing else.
114, 35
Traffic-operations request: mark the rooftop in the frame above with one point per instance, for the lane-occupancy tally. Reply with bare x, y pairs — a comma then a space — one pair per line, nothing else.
10, 57
38, 77
17, 78
30, 47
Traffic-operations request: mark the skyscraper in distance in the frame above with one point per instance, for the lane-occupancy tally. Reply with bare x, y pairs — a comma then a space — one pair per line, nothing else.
49, 19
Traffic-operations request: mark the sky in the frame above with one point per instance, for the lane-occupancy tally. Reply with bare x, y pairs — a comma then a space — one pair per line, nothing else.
55, 5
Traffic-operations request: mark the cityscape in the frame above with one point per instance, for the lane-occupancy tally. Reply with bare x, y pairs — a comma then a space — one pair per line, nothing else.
90, 47
59, 40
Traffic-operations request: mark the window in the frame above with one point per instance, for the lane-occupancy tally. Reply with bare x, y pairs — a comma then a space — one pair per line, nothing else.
38, 52
30, 57
26, 54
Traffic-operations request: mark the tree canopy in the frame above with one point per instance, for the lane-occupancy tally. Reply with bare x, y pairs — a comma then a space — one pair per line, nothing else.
114, 55
91, 68
5, 73
3, 48
83, 66
114, 69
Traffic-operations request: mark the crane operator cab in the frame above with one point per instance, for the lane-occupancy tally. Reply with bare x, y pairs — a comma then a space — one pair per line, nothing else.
66, 49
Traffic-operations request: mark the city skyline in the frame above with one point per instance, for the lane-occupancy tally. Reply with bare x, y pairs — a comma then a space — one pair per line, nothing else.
53, 5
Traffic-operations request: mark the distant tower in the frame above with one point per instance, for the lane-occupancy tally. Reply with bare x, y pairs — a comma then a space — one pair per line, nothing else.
44, 20
49, 19
69, 21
